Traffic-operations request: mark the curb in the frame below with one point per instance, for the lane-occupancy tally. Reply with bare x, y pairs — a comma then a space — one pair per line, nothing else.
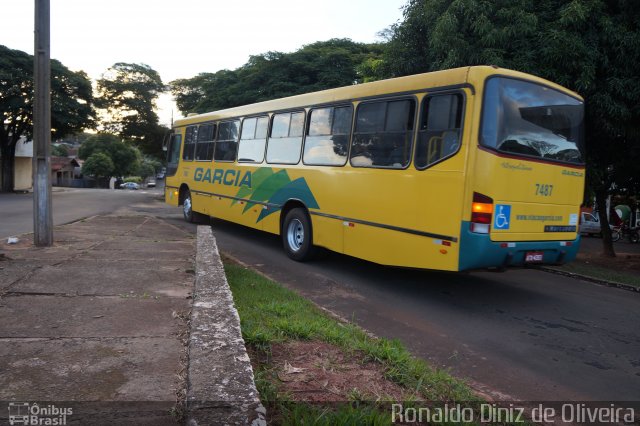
221, 389
598, 281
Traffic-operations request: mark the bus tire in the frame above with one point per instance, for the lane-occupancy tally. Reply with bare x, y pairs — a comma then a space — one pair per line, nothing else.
297, 236
187, 210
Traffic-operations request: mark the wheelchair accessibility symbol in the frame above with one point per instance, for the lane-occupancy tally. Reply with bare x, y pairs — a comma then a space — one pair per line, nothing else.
502, 216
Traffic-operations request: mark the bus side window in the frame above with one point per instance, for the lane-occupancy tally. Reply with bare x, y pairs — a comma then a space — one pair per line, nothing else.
227, 143
384, 134
190, 138
327, 141
253, 139
285, 141
204, 148
439, 134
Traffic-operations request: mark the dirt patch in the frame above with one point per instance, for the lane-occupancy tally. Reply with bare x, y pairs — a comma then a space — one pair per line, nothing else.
21, 244
627, 262
317, 372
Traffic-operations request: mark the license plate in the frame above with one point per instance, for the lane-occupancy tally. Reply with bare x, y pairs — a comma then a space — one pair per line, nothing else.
534, 257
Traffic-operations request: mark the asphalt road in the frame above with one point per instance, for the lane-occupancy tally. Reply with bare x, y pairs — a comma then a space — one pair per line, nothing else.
523, 334
69, 204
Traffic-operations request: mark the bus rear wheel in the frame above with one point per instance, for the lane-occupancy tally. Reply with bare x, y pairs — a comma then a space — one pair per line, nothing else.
297, 236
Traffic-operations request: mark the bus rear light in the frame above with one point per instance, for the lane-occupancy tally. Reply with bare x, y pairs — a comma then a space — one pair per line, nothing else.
480, 228
481, 211
482, 207
481, 218
566, 244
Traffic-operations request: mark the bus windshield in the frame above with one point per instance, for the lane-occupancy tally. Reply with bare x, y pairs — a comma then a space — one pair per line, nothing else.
529, 119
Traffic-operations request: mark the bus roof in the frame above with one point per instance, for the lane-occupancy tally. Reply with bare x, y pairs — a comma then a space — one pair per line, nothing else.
473, 75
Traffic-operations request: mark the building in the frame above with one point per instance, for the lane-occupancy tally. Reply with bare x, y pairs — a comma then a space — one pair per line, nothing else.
23, 166
63, 171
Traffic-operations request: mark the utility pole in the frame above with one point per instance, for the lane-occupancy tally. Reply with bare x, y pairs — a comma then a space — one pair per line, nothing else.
42, 215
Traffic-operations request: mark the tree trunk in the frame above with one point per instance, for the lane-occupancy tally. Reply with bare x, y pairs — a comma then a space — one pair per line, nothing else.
7, 156
601, 205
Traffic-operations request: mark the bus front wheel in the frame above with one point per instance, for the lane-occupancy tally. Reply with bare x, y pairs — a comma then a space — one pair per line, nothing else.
297, 235
187, 209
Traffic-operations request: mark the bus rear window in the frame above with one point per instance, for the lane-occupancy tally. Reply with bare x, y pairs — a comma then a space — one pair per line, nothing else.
531, 120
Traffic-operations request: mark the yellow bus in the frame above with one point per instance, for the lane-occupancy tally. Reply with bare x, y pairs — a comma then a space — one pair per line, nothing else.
469, 168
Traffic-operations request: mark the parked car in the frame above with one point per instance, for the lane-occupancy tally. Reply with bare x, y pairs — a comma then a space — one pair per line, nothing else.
151, 184
129, 185
589, 224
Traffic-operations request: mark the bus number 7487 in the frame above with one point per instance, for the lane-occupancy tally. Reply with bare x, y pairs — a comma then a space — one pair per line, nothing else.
544, 189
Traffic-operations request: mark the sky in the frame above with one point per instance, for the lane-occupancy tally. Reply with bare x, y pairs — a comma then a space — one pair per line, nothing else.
180, 39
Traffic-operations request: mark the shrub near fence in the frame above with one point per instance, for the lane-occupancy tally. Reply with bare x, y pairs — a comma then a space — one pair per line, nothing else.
76, 183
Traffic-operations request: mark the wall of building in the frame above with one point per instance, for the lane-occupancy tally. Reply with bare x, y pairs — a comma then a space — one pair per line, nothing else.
23, 166
23, 174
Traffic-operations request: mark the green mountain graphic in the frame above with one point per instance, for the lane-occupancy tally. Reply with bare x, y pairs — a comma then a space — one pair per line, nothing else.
275, 189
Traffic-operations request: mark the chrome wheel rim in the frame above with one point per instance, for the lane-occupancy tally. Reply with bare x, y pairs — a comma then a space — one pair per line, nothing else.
295, 235
187, 206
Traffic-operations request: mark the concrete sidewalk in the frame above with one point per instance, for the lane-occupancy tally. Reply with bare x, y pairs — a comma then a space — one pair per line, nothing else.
101, 316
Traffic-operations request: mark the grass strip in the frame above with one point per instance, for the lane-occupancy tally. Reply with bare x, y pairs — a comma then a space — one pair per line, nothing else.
600, 273
270, 313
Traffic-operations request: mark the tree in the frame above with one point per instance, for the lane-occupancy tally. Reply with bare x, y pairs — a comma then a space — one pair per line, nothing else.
59, 150
78, 138
154, 163
71, 105
590, 46
146, 170
206, 91
317, 66
98, 165
124, 157
151, 144
127, 95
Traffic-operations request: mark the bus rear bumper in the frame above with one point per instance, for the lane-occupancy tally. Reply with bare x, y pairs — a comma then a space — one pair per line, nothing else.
477, 251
